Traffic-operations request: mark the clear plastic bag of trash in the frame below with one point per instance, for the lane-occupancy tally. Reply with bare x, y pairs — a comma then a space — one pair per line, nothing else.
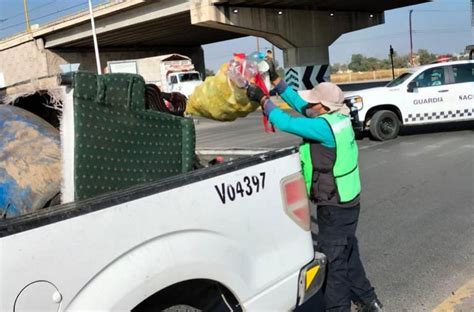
223, 97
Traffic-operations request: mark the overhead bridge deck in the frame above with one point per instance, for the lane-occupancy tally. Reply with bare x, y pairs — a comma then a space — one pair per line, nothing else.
303, 29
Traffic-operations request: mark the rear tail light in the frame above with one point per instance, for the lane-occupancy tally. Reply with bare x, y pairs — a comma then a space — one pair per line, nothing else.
295, 200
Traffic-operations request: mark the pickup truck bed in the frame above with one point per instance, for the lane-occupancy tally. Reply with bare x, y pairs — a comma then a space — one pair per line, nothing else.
113, 251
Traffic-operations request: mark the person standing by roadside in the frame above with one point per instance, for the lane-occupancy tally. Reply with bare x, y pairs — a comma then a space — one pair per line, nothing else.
329, 158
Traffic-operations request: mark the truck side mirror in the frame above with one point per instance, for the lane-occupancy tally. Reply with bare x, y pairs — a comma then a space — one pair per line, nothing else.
411, 86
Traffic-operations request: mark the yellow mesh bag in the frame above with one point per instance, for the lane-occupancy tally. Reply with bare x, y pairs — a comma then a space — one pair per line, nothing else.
217, 98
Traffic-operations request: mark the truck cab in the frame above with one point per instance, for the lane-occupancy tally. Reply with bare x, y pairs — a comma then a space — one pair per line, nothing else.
429, 94
184, 82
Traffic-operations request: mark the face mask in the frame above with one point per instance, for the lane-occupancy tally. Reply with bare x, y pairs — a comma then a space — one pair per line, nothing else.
311, 113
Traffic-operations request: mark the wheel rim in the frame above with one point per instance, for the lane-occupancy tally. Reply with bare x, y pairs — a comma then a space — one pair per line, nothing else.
387, 126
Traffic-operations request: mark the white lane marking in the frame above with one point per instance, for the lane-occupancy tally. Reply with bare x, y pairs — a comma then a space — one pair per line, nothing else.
374, 164
456, 150
431, 147
370, 146
424, 150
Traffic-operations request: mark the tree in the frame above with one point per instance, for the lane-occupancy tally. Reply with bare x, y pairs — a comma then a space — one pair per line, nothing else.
336, 67
358, 63
209, 72
361, 63
386, 64
401, 61
426, 57
373, 63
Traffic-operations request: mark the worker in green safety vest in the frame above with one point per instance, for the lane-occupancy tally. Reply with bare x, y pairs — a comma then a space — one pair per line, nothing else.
329, 158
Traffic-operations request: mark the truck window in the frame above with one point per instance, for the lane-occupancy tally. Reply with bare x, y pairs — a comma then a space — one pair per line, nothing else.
399, 80
173, 79
189, 77
463, 73
430, 78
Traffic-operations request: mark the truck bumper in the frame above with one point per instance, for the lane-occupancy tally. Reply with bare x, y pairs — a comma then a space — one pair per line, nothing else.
311, 278
356, 123
358, 127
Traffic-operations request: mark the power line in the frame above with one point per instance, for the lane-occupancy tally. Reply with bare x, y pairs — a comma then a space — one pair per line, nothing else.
437, 30
47, 15
440, 11
428, 32
30, 10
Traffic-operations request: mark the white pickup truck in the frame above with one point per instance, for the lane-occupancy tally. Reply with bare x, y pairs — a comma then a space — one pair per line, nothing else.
429, 94
234, 237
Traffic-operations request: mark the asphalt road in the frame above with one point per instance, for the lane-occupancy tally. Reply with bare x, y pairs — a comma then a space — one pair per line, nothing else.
416, 227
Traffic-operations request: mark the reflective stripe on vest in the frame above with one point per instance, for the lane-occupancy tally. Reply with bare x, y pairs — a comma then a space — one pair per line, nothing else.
306, 165
345, 170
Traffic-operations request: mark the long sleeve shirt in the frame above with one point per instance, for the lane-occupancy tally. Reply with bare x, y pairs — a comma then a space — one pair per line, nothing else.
316, 128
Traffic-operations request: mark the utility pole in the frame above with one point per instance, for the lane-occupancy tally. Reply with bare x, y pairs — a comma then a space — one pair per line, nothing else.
258, 45
94, 36
411, 39
27, 17
391, 59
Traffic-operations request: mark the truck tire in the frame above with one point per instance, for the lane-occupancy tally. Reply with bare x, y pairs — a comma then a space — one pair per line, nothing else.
384, 125
359, 135
181, 308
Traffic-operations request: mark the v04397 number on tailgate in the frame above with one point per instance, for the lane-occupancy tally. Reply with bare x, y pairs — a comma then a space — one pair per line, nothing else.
246, 187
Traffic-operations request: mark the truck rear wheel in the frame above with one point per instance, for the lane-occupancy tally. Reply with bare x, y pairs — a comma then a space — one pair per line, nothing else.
191, 296
384, 125
181, 308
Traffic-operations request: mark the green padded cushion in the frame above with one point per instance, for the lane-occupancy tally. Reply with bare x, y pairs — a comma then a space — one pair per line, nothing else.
119, 143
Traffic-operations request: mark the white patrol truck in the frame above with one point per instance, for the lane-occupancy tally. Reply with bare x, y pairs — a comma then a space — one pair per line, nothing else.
231, 237
440, 92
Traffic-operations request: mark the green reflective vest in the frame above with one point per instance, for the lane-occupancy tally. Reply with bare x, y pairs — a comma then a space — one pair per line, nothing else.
345, 170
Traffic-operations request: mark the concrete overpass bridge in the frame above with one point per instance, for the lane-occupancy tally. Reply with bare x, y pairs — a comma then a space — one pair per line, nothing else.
303, 29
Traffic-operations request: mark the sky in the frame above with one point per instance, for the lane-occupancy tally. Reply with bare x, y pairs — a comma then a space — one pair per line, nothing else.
440, 26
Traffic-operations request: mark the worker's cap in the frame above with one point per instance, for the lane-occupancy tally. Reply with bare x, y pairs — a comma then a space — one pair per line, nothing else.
328, 94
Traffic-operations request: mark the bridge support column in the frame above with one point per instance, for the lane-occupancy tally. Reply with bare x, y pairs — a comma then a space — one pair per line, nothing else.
197, 56
303, 35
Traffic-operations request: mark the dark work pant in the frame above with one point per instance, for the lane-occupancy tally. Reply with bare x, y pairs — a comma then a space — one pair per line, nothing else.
346, 279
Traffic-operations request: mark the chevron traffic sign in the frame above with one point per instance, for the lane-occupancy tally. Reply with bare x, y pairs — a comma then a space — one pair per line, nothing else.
306, 77
292, 78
